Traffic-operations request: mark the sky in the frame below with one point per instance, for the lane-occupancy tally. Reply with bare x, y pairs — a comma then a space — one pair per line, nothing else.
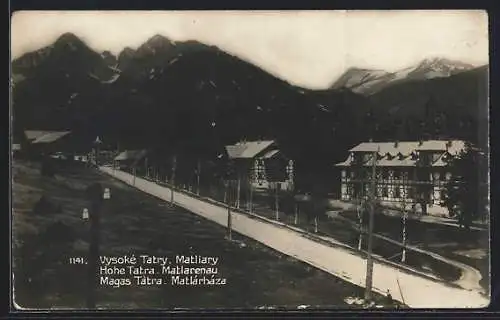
306, 48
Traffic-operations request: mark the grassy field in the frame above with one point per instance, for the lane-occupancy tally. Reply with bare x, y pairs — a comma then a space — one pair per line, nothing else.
46, 236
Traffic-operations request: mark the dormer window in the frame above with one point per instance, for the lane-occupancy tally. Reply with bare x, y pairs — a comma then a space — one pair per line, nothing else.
445, 157
435, 156
400, 156
396, 174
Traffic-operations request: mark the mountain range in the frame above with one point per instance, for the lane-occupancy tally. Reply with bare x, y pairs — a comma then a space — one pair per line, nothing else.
367, 82
190, 96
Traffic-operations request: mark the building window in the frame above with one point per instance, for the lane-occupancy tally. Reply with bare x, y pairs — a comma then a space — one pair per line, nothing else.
366, 157
349, 190
397, 174
384, 175
435, 156
397, 192
385, 192
260, 174
356, 157
425, 158
411, 193
436, 176
442, 194
404, 175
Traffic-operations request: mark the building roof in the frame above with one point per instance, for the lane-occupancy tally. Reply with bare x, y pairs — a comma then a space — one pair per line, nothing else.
407, 147
396, 162
440, 162
33, 134
247, 150
131, 155
392, 155
48, 136
270, 154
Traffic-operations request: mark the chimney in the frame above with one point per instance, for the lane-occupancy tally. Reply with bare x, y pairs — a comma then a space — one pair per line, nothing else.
420, 142
396, 144
448, 144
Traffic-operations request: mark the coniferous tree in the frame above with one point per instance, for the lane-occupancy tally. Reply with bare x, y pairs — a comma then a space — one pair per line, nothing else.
466, 193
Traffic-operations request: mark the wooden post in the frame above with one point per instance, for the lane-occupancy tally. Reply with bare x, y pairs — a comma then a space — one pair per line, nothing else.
147, 168
198, 172
229, 217
225, 193
172, 181
135, 173
360, 218
296, 218
238, 190
369, 260
250, 209
276, 201
229, 222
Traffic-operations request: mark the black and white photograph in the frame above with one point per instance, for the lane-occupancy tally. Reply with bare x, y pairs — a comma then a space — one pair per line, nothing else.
256, 160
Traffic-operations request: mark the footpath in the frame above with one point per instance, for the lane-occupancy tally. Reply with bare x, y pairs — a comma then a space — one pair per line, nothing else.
411, 289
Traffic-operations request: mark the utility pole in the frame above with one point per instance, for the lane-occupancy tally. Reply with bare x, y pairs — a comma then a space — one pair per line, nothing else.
403, 254
359, 202
225, 191
172, 181
227, 200
369, 260
360, 218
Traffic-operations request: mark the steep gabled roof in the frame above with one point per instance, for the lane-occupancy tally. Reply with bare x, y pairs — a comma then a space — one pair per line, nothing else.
247, 150
49, 137
407, 147
33, 134
131, 155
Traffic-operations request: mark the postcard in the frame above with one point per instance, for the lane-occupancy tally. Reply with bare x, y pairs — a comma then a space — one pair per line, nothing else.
249, 160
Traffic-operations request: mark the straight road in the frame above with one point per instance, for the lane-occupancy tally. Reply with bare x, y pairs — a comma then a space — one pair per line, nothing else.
414, 291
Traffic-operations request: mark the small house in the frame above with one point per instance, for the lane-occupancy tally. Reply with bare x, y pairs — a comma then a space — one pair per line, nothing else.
260, 161
129, 159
